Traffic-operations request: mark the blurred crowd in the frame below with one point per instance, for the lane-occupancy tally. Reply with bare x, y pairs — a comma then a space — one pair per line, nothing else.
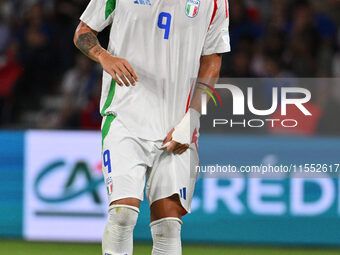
46, 83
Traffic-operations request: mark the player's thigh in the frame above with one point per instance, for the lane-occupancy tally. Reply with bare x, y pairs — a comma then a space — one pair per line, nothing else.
124, 165
166, 207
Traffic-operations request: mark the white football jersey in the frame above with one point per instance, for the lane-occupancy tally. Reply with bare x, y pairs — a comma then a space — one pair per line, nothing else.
163, 40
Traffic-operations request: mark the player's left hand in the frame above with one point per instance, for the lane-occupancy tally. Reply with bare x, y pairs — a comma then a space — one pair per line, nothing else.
175, 147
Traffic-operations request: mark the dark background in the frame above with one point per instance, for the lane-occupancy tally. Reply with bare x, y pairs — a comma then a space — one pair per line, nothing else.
45, 83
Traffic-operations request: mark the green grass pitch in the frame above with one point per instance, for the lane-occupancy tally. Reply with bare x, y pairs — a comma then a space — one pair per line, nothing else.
26, 248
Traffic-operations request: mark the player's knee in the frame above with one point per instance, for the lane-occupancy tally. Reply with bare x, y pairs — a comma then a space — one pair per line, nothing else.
166, 235
167, 227
123, 215
121, 222
118, 234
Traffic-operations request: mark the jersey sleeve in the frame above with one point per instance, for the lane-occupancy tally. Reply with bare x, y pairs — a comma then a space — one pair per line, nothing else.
99, 14
217, 39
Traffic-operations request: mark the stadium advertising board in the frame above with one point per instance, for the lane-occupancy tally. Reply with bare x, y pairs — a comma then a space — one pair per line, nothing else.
64, 192
65, 198
279, 209
11, 183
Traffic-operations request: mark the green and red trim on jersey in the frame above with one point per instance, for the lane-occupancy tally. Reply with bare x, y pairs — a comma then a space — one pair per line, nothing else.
110, 7
215, 11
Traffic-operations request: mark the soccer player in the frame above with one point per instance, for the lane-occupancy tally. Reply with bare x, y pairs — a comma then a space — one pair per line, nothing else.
150, 128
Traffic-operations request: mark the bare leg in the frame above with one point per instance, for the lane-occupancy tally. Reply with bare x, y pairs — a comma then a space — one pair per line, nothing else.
166, 226
127, 201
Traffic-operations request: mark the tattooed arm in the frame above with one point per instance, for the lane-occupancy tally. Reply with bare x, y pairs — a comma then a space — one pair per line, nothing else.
87, 42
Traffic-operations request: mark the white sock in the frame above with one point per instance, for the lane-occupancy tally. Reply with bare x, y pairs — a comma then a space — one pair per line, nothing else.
118, 234
166, 235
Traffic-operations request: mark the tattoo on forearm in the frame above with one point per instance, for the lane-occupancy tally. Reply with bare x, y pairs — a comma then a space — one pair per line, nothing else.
86, 42
97, 51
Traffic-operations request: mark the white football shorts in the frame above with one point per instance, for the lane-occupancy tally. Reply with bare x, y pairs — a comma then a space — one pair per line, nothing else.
129, 162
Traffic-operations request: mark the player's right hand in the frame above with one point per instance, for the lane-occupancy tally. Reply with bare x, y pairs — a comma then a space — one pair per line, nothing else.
119, 68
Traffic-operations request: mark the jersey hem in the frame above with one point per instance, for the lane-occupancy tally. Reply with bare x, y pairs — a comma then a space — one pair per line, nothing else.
218, 51
91, 25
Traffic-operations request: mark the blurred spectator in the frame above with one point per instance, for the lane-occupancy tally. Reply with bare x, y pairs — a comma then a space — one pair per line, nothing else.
241, 65
274, 69
90, 116
244, 23
77, 87
36, 54
67, 18
304, 41
4, 34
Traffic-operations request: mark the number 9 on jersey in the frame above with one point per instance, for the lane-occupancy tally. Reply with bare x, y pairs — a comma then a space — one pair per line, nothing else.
164, 22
